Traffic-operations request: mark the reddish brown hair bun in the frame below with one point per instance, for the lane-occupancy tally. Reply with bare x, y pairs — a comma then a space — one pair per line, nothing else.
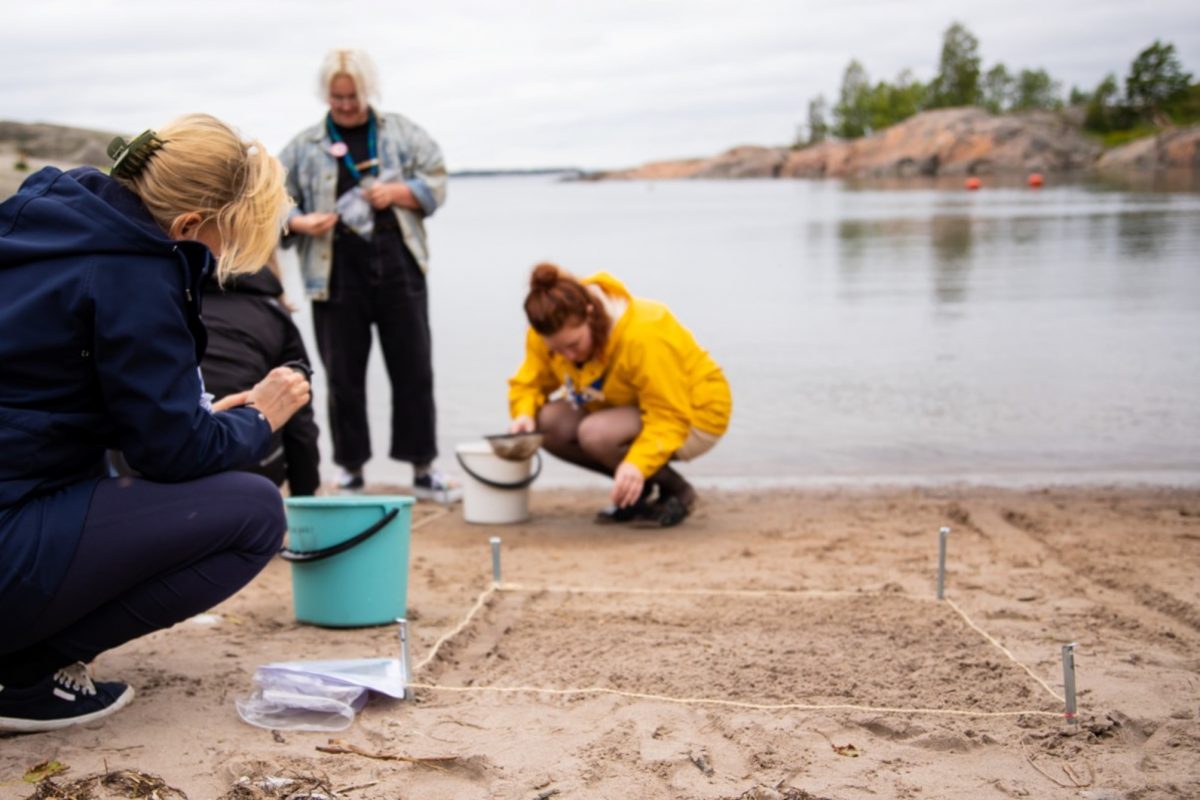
556, 299
544, 277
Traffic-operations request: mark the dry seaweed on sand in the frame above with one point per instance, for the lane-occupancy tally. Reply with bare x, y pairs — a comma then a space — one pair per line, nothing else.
1073, 779
291, 787
848, 749
777, 792
121, 783
44, 770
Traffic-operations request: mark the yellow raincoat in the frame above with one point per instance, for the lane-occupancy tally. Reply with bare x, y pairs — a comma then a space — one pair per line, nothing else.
650, 361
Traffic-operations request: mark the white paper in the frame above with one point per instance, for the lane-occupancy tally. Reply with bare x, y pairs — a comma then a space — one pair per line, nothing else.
383, 675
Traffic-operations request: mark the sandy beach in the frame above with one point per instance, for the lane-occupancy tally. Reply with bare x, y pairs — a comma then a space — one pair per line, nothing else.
780, 644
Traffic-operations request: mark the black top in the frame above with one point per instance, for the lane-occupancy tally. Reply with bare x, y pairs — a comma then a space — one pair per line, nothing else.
356, 140
249, 334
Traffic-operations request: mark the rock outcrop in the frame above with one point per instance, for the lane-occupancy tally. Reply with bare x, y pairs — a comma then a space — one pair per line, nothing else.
1172, 150
961, 141
747, 161
25, 148
57, 142
952, 141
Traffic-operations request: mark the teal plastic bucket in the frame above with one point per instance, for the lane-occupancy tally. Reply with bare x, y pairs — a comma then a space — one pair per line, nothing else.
349, 558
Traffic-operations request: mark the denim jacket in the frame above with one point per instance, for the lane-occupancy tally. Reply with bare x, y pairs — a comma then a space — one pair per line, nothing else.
312, 182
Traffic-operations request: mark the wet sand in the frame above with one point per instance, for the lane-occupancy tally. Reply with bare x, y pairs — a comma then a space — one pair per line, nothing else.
779, 644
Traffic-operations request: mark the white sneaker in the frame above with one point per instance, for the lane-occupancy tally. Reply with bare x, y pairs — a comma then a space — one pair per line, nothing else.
435, 485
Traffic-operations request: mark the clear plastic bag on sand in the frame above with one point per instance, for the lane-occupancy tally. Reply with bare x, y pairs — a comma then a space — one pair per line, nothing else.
317, 695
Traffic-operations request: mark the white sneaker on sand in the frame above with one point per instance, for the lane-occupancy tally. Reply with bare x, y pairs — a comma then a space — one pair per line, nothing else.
435, 485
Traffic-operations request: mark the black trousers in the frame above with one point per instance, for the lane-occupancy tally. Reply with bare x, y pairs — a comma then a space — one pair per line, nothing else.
377, 283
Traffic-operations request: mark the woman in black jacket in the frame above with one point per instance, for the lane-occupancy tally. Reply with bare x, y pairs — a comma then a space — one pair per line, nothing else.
250, 332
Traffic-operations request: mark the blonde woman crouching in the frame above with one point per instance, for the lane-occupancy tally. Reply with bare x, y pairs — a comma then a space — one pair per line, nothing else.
100, 338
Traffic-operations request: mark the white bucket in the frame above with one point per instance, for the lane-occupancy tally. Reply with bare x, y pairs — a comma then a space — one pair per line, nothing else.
495, 491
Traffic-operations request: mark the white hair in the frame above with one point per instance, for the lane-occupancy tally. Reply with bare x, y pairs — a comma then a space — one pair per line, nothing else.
356, 65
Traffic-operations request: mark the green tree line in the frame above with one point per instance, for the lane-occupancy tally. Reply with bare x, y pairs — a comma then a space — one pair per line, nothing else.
1157, 92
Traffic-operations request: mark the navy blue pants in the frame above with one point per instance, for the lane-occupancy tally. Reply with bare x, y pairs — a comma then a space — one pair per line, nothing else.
151, 555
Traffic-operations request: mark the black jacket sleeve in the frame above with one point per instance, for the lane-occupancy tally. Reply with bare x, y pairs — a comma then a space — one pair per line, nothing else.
300, 434
301, 453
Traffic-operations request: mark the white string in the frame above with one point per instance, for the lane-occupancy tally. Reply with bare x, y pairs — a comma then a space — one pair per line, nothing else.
733, 703
1004, 650
441, 512
479, 603
518, 587
486, 595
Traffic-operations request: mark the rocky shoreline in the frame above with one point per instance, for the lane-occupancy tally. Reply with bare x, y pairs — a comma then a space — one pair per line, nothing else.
946, 143
943, 143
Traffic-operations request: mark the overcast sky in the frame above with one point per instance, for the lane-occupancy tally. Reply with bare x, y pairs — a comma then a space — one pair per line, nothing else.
605, 83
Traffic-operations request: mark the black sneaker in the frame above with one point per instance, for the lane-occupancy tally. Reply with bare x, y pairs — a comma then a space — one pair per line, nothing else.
614, 515
666, 513
68, 697
351, 481
435, 485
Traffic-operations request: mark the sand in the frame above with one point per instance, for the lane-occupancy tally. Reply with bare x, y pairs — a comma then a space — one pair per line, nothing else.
810, 617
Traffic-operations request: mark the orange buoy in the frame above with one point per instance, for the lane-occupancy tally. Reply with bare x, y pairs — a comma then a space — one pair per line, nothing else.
972, 183
1035, 180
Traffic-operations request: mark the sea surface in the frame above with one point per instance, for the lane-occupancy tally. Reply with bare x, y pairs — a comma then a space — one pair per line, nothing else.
900, 334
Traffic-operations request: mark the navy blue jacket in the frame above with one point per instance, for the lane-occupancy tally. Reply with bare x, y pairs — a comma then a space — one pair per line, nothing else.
100, 341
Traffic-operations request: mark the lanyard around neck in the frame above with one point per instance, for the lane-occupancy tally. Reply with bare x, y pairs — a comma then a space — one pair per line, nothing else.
372, 162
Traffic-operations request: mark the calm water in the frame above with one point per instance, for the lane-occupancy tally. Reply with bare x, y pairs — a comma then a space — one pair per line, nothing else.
898, 335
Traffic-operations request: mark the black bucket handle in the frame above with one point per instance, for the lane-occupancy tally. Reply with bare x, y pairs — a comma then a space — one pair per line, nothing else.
297, 556
521, 484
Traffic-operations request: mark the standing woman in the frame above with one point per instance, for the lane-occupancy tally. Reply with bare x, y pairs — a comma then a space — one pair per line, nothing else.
618, 386
100, 345
368, 269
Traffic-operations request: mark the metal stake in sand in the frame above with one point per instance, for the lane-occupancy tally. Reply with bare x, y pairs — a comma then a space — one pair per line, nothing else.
941, 580
1068, 658
495, 540
405, 654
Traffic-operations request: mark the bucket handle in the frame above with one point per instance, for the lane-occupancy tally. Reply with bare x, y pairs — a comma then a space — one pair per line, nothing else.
317, 555
521, 484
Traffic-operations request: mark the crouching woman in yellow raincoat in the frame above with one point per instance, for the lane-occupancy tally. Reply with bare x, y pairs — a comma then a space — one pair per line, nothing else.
617, 385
